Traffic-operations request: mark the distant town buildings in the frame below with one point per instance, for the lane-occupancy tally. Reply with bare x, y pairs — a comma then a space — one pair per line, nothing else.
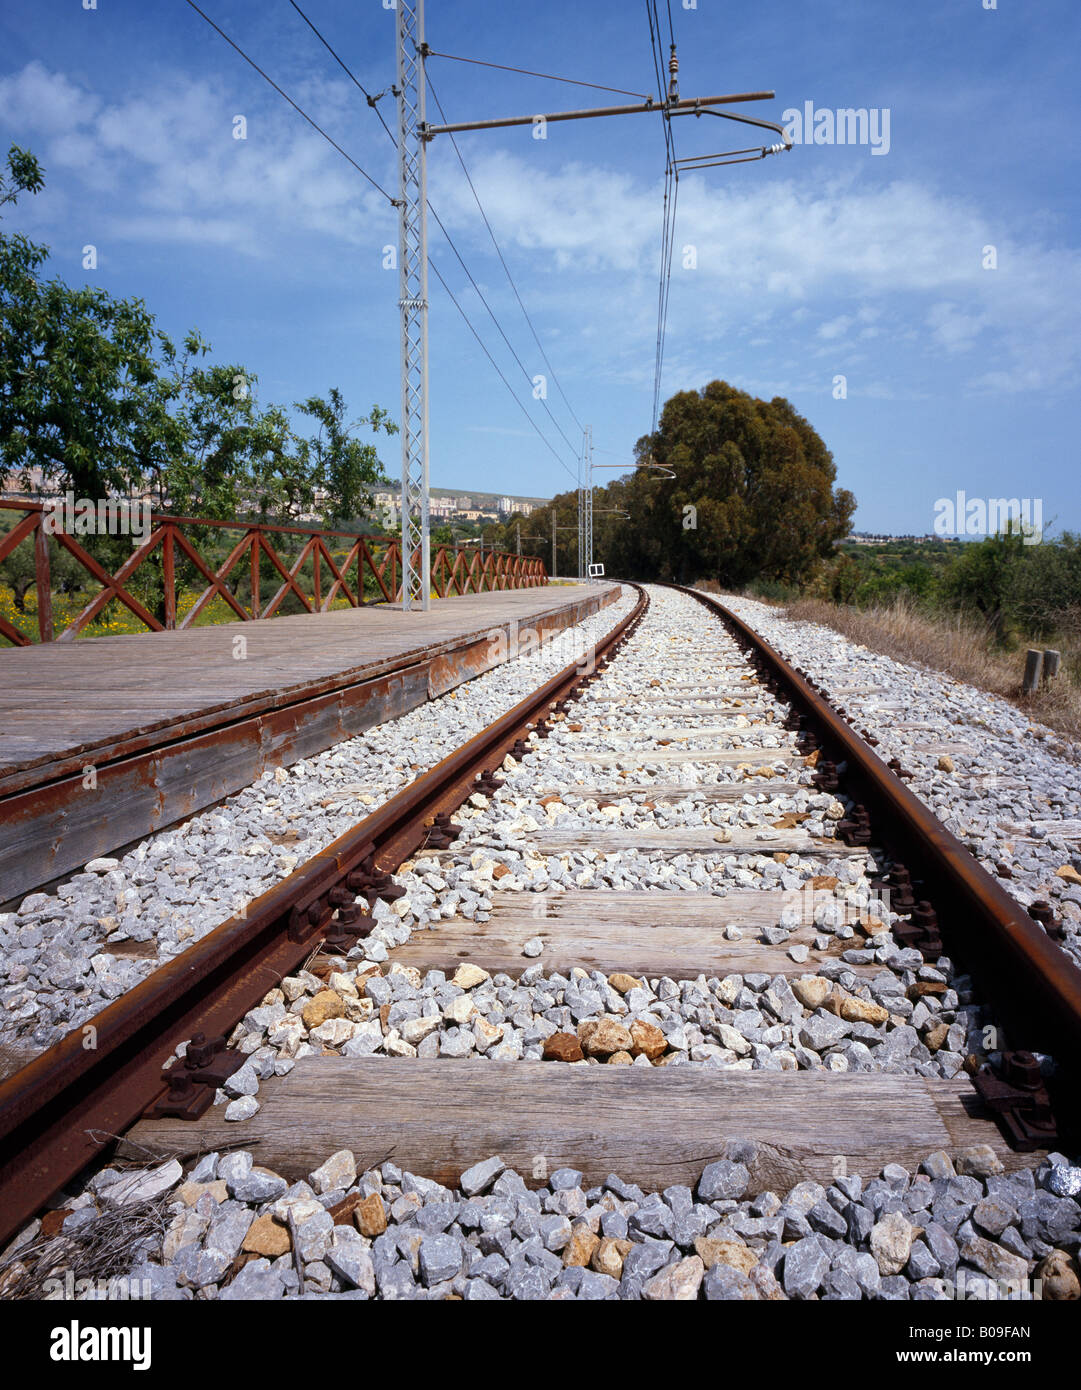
457, 507
865, 538
386, 503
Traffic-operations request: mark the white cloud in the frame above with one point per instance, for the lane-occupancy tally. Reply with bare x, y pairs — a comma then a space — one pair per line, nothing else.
180, 175
890, 269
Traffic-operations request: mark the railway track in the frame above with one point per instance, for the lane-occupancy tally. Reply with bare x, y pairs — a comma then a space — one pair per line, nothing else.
622, 998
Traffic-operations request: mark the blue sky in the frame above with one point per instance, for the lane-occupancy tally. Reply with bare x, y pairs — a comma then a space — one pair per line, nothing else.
828, 261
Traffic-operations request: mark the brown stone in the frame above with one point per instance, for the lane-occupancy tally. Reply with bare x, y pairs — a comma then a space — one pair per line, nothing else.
620, 1059
268, 1237
342, 1212
53, 1220
622, 983
925, 987
945, 763
500, 871
468, 976
936, 1036
579, 1249
1070, 875
190, 1192
856, 1010
608, 1256
725, 1252
812, 990
326, 1004
824, 881
562, 1047
370, 1217
766, 1285
1058, 1273
550, 801
604, 1037
648, 1039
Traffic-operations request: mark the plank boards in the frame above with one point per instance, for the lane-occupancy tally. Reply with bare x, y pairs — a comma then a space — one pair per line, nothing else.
744, 689
680, 935
653, 1126
696, 711
676, 733
173, 722
687, 840
638, 757
674, 791
100, 691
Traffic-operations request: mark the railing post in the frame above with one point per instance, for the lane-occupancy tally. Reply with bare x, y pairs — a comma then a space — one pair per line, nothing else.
43, 580
316, 578
168, 576
255, 554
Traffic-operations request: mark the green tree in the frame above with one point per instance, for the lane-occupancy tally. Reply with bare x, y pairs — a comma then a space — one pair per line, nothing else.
982, 575
753, 495
99, 398
332, 464
94, 394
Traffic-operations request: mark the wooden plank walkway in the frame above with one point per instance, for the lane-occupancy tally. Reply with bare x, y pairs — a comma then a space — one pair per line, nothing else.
58, 699
172, 722
652, 1126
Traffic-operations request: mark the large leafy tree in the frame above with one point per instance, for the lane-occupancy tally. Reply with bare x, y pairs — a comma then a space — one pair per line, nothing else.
753, 495
98, 397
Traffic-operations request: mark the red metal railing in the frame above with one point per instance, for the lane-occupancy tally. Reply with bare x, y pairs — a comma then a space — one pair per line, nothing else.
375, 560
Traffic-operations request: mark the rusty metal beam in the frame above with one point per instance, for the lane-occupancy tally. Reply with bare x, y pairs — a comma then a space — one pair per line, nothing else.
61, 1110
1035, 986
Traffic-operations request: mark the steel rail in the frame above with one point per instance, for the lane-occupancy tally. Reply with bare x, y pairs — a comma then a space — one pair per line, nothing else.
1035, 986
60, 1111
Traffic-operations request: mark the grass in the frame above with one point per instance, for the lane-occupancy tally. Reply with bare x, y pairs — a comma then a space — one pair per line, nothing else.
960, 649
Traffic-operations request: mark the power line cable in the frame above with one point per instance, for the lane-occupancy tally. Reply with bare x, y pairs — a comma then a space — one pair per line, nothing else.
499, 327
671, 193
543, 438
450, 242
393, 201
526, 72
298, 109
502, 261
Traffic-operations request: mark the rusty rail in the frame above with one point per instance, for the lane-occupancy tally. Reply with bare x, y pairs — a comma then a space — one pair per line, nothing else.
375, 560
63, 1108
1035, 986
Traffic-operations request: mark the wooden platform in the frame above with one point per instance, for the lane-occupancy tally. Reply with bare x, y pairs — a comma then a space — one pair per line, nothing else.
652, 1126
680, 935
171, 722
